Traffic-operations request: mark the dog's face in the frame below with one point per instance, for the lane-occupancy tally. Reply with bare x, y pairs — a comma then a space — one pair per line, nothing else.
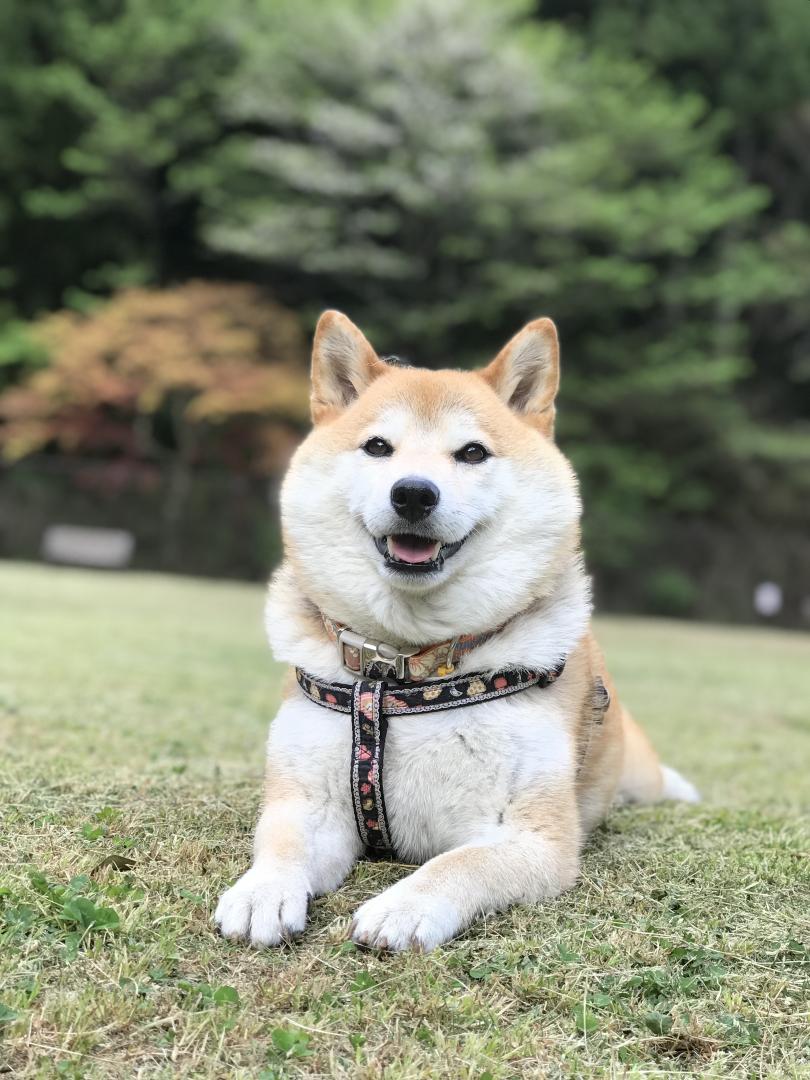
429, 503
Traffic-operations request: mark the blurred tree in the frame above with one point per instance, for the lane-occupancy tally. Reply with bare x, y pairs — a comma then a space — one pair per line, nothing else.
445, 170
100, 102
158, 383
445, 167
750, 60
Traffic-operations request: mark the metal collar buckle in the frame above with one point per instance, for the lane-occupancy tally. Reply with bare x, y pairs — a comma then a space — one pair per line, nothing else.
370, 651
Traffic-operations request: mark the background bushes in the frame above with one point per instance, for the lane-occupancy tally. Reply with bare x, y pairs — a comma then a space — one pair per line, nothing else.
187, 186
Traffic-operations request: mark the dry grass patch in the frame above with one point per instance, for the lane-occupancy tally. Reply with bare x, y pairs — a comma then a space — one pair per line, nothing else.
132, 715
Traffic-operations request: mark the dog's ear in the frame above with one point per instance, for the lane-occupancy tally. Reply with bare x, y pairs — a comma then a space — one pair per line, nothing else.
343, 364
526, 373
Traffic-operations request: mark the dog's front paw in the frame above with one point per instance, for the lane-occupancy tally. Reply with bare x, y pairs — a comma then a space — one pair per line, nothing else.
405, 917
264, 907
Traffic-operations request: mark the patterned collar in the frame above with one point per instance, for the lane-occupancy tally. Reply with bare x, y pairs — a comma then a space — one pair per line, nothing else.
372, 658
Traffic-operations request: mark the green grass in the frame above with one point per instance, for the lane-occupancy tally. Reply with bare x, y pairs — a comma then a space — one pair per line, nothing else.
133, 711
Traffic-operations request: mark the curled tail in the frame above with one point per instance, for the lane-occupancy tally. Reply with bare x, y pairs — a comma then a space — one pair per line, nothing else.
644, 779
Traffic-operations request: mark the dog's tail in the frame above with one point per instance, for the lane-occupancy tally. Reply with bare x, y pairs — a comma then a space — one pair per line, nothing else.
644, 779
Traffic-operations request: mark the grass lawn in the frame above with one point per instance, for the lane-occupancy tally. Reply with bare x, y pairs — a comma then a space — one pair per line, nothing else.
133, 711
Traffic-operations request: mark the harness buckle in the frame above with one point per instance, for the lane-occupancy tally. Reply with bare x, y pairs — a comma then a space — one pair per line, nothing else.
369, 651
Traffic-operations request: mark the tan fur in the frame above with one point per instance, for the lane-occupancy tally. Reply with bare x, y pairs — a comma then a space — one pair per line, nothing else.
530, 397
343, 364
641, 779
550, 811
427, 394
499, 814
278, 840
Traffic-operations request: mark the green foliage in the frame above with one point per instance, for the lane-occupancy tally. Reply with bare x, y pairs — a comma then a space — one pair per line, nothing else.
200, 995
7, 1014
20, 353
444, 170
750, 61
101, 101
751, 57
585, 1021
290, 1042
659, 1023
69, 914
670, 591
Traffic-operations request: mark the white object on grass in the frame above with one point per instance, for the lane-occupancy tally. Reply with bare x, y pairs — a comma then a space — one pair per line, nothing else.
108, 549
768, 599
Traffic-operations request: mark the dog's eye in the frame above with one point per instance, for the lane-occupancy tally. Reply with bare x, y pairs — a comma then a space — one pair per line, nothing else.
378, 447
472, 453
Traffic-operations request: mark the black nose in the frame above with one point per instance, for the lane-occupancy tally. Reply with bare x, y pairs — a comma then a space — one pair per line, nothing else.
414, 498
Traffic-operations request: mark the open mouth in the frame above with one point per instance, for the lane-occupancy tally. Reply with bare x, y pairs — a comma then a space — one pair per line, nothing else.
410, 554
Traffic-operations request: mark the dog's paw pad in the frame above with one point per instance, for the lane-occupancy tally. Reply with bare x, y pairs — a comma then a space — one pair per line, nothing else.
263, 908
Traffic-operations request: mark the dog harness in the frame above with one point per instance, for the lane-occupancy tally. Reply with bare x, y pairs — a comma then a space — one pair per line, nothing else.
372, 700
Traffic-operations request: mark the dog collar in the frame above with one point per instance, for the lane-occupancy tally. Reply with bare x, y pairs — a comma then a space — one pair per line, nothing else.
370, 703
372, 658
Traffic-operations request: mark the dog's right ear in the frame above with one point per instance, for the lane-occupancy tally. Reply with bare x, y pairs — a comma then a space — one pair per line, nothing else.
343, 365
526, 374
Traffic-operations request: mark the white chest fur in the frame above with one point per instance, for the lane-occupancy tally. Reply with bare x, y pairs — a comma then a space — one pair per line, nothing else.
448, 776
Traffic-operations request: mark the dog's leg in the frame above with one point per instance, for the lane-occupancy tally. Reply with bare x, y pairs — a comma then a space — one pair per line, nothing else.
533, 855
300, 851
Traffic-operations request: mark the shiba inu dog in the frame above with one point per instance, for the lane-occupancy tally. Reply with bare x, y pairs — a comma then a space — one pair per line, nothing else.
433, 588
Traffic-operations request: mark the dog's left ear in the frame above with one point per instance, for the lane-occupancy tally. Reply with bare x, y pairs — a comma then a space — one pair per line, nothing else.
343, 365
526, 373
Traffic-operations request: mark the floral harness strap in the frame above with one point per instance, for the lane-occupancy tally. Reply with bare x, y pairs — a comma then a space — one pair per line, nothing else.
371, 702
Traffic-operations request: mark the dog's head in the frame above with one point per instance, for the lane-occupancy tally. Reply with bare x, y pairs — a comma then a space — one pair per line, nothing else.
429, 503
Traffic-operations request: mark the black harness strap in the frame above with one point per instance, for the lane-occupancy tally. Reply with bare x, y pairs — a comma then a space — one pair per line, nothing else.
371, 702
369, 727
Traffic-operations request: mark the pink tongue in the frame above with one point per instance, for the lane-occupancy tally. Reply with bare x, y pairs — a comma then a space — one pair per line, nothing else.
412, 549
